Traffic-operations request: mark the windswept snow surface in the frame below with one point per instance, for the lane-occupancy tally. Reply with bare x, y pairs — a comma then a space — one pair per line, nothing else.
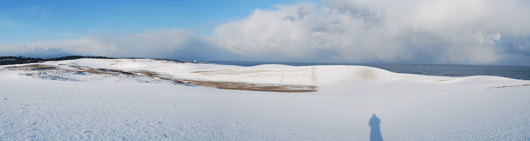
409, 107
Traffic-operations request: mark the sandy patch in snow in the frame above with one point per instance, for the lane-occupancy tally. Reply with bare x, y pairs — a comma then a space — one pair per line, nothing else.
67, 72
505, 86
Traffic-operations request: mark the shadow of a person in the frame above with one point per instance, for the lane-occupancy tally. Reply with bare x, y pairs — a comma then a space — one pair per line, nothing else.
375, 132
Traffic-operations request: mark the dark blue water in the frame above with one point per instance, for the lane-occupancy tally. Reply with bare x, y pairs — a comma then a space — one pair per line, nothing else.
515, 72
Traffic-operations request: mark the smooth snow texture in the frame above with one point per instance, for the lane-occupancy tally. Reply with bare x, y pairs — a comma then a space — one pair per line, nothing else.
409, 107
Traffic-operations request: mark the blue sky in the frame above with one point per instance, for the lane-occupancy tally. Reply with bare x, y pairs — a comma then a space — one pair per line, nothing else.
485, 32
28, 20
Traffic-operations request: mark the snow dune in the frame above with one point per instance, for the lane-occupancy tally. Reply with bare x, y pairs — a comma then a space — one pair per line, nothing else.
281, 74
352, 103
256, 74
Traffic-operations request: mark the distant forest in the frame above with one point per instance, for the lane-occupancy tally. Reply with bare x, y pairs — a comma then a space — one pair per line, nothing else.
9, 60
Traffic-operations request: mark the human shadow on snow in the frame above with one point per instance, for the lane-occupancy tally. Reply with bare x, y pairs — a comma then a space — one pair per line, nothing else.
375, 132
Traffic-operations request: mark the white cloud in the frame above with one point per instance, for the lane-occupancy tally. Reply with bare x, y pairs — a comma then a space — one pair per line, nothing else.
149, 44
410, 31
440, 31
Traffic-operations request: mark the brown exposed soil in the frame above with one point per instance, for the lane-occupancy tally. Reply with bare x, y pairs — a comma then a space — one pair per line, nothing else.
367, 74
444, 80
33, 67
147, 73
505, 86
215, 84
251, 86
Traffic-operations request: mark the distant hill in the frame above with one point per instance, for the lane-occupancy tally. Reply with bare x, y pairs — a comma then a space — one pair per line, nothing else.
46, 55
9, 60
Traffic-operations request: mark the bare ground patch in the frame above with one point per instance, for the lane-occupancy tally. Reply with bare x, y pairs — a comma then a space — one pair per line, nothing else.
367, 74
32, 67
251, 86
144, 73
444, 80
506, 86
235, 85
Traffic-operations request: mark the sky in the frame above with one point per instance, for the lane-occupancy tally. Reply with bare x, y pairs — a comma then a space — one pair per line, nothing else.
476, 32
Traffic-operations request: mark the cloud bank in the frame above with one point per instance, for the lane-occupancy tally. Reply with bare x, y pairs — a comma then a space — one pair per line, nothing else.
141, 44
408, 31
448, 31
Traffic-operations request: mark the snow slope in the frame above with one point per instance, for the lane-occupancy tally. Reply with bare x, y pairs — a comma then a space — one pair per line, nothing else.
410, 107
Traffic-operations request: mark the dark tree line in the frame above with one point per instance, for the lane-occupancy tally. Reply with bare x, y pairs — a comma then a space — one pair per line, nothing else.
8, 60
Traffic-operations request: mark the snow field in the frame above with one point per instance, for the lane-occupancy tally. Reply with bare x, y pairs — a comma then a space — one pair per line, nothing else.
410, 107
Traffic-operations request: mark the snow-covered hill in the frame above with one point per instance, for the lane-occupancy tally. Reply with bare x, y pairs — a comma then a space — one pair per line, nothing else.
144, 99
